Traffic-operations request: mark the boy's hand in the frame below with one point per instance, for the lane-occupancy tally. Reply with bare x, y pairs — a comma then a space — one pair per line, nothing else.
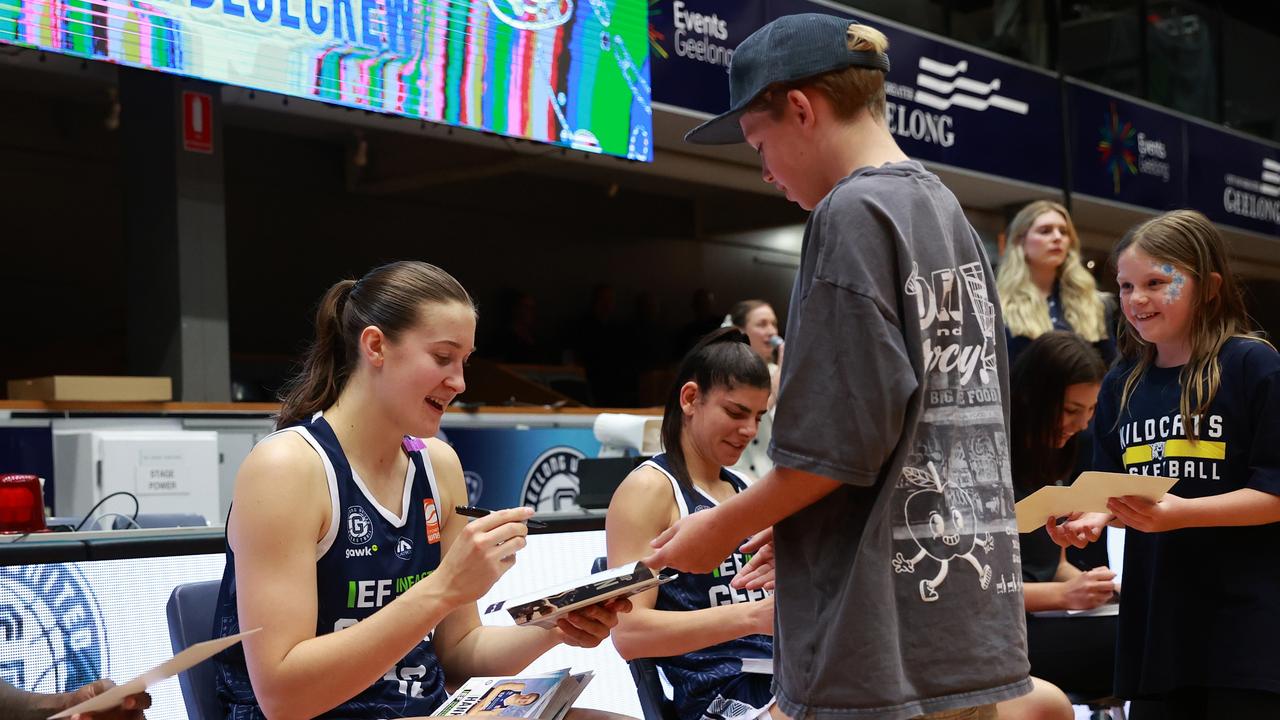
694, 544
759, 571
587, 627
1140, 513
130, 708
1079, 530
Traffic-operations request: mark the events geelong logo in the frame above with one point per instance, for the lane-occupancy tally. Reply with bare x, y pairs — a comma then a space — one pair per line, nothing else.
697, 36
52, 637
551, 485
942, 87
1124, 150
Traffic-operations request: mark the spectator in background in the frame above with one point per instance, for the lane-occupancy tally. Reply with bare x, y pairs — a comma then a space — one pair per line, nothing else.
649, 344
603, 350
758, 321
518, 342
18, 704
1043, 286
705, 319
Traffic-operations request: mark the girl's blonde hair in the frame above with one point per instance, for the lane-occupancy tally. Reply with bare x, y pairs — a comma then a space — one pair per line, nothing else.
1026, 313
1188, 241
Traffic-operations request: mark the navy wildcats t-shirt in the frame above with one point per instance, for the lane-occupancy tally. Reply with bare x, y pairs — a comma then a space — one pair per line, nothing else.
1200, 606
709, 683
369, 556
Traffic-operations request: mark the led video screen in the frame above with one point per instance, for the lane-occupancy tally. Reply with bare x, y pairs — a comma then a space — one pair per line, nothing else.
574, 73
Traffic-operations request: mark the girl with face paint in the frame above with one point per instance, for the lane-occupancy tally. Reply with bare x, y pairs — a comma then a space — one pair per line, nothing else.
1195, 396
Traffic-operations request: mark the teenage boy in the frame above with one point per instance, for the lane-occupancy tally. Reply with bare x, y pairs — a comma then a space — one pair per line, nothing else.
897, 571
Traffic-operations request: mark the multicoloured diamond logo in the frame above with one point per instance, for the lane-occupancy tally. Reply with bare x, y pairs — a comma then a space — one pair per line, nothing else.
655, 35
1117, 147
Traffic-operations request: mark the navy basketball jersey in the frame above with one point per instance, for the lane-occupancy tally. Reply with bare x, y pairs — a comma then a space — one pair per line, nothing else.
709, 683
369, 556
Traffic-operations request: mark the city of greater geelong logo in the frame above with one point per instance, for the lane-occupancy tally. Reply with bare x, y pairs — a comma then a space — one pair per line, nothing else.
941, 87
359, 526
1122, 149
475, 486
52, 636
551, 485
1254, 199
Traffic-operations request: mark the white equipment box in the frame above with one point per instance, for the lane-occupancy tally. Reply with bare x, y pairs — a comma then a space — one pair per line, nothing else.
169, 471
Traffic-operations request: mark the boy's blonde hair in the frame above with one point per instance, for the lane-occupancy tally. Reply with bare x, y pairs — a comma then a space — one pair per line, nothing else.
849, 89
1026, 313
1188, 241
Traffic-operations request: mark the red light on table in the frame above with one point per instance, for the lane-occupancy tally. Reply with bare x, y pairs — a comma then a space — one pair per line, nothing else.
21, 504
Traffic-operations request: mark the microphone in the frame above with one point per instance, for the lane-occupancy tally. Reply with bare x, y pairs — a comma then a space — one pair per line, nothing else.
775, 341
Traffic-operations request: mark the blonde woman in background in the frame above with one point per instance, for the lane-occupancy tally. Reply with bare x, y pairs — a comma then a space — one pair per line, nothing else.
1043, 286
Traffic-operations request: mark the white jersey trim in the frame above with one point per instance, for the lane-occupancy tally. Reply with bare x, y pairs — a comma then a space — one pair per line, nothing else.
431, 479
396, 521
331, 476
675, 487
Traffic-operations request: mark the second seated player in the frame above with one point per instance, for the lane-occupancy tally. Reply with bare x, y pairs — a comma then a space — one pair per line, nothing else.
697, 627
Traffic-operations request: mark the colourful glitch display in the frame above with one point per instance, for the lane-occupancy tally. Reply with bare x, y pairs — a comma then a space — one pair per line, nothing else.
573, 73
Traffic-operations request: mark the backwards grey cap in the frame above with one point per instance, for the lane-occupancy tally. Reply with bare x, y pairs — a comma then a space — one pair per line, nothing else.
791, 48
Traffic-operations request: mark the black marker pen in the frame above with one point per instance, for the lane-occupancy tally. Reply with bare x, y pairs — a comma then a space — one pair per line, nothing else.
479, 512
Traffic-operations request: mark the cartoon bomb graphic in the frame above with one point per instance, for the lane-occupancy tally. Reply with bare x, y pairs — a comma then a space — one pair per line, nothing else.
943, 521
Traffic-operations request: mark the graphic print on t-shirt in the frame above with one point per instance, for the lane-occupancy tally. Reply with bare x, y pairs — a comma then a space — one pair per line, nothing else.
1159, 446
951, 487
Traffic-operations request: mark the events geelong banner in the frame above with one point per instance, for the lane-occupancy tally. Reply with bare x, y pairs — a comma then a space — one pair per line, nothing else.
573, 73
947, 103
1125, 150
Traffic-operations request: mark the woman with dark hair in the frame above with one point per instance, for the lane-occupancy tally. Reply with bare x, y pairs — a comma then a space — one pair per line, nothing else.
343, 544
698, 627
1054, 386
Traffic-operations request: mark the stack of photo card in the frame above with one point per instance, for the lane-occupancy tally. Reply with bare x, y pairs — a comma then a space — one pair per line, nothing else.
544, 607
548, 696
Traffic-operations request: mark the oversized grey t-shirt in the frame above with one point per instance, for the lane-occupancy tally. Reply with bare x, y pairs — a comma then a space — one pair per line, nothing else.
900, 593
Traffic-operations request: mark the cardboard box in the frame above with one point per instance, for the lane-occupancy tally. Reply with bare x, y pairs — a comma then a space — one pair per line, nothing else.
93, 388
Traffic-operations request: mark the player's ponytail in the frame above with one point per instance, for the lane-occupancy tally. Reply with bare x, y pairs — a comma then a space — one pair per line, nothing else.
722, 358
389, 298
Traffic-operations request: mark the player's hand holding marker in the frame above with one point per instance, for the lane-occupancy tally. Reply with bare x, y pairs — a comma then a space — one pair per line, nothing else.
484, 550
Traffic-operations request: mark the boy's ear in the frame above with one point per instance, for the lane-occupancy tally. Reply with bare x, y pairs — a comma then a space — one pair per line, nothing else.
800, 105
